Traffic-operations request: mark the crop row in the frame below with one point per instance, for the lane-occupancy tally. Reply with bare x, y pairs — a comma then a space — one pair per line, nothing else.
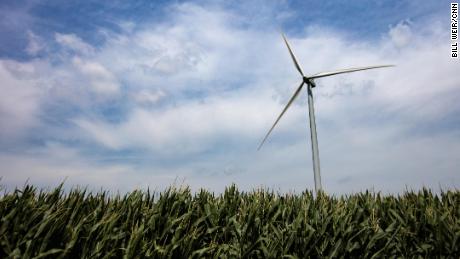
177, 223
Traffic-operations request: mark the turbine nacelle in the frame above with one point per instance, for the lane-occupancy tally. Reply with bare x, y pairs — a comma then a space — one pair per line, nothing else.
309, 82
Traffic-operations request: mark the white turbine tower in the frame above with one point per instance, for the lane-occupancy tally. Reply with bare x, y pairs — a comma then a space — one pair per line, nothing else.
308, 80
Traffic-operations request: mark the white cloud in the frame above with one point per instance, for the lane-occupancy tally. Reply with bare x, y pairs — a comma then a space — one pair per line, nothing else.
401, 34
148, 97
36, 44
73, 42
190, 127
101, 80
20, 101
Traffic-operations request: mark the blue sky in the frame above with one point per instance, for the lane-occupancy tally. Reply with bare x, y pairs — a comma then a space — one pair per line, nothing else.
144, 94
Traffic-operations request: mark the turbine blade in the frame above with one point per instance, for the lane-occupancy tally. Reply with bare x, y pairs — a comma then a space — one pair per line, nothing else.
296, 93
349, 70
292, 55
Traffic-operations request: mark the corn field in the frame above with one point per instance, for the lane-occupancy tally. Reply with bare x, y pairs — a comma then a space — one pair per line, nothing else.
178, 223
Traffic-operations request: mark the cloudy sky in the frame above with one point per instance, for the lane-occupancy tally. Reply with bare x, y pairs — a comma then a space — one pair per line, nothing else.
134, 94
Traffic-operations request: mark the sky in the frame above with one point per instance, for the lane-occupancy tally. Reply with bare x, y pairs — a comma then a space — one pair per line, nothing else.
125, 95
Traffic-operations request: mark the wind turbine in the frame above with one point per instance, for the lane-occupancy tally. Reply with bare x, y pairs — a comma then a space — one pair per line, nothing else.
309, 81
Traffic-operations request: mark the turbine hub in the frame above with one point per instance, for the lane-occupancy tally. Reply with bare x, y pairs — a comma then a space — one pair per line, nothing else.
309, 82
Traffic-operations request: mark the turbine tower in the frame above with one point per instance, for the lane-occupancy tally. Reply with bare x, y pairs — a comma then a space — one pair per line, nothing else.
309, 81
